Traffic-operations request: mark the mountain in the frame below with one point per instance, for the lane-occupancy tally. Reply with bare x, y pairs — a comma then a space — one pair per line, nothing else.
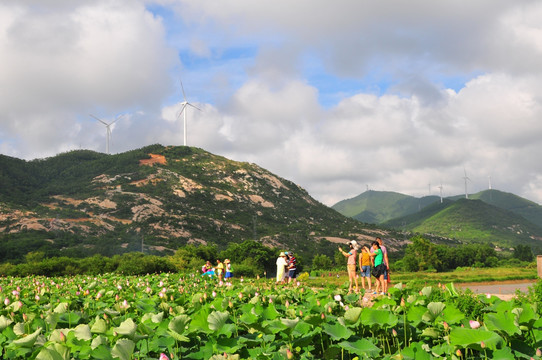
157, 199
376, 207
488, 216
472, 221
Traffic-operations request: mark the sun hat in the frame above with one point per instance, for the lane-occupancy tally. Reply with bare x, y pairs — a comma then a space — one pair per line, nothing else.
227, 261
282, 254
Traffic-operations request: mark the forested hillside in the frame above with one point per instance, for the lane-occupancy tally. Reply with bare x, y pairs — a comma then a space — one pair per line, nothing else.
157, 199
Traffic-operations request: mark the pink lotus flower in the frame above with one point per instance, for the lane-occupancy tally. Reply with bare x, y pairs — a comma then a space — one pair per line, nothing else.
474, 324
337, 297
163, 357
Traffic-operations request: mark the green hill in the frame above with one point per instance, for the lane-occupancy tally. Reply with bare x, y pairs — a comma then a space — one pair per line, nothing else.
472, 221
157, 199
376, 207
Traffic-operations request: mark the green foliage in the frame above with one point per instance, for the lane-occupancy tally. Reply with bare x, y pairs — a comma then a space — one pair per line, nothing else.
421, 255
322, 262
523, 253
192, 317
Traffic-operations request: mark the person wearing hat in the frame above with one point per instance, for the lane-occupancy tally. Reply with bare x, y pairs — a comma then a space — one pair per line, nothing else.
229, 270
281, 267
351, 264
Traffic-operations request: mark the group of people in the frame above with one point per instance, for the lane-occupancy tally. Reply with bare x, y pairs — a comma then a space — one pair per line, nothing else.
372, 261
286, 267
221, 270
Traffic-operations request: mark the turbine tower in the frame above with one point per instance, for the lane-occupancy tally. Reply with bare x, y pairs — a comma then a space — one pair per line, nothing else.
184, 105
108, 130
466, 178
440, 188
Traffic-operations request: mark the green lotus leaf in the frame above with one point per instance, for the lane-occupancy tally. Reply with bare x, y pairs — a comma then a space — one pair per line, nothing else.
111, 312
426, 291
71, 318
82, 332
270, 313
431, 332
248, 318
4, 322
452, 315
27, 341
337, 331
99, 326
370, 317
352, 315
55, 334
19, 329
465, 337
526, 315
217, 319
434, 309
99, 341
123, 349
155, 318
362, 347
49, 354
199, 321
126, 328
177, 326
451, 290
291, 323
51, 319
503, 321
415, 352
61, 308
274, 326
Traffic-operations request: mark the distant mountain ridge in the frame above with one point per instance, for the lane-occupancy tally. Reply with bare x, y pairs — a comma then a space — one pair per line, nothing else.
488, 216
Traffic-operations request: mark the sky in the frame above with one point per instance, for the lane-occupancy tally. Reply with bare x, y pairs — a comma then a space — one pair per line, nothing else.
339, 96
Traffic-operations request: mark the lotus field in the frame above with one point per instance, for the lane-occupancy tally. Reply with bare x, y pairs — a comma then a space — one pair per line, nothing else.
191, 317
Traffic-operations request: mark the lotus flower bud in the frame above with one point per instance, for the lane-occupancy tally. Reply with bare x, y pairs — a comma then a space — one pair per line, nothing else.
474, 324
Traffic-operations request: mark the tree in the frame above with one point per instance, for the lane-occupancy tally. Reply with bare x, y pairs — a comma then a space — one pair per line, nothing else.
421, 255
322, 262
523, 253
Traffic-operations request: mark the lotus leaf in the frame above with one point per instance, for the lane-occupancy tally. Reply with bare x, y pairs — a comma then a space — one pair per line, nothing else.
126, 328
337, 331
465, 337
123, 349
361, 347
503, 322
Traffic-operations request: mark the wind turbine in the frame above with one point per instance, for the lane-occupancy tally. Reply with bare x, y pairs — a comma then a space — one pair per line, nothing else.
440, 187
184, 105
108, 130
466, 178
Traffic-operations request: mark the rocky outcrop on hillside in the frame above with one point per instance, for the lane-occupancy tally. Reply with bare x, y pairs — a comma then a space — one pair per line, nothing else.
166, 197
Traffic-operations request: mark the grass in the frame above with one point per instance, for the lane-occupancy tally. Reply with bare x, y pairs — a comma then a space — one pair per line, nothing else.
460, 275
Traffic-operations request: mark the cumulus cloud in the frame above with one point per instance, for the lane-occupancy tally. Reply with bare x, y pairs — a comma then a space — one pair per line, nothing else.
336, 96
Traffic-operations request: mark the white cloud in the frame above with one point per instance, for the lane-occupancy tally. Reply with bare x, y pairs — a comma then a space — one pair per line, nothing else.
424, 90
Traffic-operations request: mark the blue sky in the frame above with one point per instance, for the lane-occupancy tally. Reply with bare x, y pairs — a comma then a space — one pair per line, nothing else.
335, 96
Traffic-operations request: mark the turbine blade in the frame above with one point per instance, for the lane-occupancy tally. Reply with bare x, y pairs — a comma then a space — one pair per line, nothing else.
182, 88
100, 120
116, 119
182, 109
194, 106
